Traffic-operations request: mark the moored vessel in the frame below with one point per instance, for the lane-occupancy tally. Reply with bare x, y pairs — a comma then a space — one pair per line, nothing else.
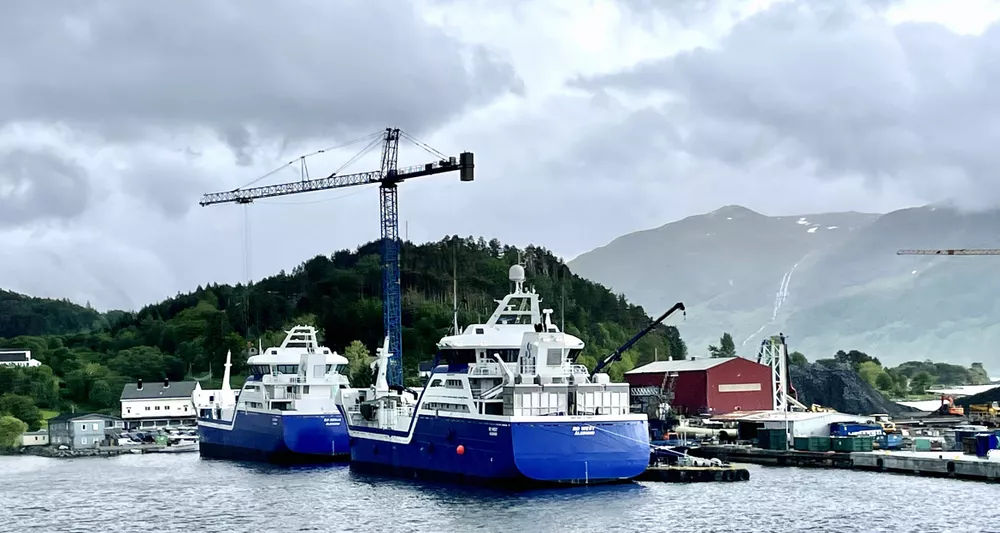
286, 411
506, 403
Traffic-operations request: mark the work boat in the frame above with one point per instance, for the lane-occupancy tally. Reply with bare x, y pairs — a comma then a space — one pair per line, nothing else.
286, 411
506, 404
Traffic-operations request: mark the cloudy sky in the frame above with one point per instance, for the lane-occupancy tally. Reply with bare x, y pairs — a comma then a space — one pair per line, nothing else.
588, 118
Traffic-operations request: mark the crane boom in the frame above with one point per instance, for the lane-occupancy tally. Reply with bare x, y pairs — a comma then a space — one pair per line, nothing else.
955, 251
617, 354
388, 177
333, 181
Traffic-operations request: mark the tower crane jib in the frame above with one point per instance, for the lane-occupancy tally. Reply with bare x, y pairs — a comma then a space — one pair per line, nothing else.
388, 177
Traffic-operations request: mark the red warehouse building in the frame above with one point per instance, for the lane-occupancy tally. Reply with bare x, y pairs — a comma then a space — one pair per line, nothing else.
716, 385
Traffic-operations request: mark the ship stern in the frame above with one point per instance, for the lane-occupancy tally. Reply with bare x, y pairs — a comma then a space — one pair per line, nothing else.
320, 435
581, 450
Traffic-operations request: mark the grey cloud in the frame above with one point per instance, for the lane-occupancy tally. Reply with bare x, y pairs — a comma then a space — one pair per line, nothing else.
834, 93
171, 183
248, 70
694, 12
38, 185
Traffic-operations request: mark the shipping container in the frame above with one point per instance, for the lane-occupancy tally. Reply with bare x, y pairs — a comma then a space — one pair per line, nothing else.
922, 444
852, 444
772, 439
812, 444
984, 443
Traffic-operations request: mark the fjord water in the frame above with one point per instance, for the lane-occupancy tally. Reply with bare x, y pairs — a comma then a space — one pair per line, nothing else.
184, 493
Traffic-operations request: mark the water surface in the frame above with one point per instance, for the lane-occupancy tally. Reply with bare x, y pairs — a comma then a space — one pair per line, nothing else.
184, 493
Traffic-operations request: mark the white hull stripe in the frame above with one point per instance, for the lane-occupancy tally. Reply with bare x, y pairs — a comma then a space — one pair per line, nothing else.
360, 431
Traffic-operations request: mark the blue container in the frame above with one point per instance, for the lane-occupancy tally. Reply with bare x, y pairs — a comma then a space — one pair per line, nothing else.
985, 442
960, 436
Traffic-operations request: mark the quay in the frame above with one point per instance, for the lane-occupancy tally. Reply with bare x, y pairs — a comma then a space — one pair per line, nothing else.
935, 463
102, 451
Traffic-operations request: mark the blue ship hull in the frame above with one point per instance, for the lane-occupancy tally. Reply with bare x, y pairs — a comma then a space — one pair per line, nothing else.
273, 438
512, 453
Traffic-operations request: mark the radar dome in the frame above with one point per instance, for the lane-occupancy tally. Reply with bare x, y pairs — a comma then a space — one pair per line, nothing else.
516, 273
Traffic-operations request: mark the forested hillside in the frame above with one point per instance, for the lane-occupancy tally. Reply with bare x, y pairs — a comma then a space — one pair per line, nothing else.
188, 335
25, 315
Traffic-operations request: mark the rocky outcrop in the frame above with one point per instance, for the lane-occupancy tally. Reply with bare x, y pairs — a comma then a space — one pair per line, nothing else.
842, 389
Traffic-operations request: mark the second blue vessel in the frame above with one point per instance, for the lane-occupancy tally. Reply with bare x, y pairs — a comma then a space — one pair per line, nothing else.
286, 411
505, 404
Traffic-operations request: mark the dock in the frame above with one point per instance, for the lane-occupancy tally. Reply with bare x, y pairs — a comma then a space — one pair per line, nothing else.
688, 474
936, 463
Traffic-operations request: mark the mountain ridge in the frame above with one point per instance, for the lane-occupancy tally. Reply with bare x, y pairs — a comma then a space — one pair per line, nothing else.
829, 281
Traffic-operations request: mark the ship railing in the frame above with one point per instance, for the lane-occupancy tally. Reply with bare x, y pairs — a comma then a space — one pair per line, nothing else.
485, 370
579, 369
278, 379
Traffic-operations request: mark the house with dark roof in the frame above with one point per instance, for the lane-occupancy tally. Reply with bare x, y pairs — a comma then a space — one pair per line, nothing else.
82, 430
156, 405
17, 358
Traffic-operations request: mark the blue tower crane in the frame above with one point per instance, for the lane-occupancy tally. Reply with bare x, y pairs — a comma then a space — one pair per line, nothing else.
388, 177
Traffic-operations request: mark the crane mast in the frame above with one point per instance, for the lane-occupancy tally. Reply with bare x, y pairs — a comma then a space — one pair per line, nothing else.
388, 177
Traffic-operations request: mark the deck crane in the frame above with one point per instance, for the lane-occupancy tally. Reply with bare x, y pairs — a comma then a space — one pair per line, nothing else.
387, 177
617, 354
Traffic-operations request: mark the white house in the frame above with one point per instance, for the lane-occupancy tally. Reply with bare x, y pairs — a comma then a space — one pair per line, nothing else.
152, 405
17, 358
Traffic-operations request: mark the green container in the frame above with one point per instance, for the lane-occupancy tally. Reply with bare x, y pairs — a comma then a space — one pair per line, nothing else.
922, 444
772, 439
812, 444
852, 444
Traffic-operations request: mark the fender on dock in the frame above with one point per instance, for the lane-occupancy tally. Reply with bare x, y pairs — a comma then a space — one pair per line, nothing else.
687, 474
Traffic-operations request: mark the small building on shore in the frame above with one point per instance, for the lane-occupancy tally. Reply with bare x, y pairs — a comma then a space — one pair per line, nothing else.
35, 438
83, 430
17, 358
158, 405
799, 424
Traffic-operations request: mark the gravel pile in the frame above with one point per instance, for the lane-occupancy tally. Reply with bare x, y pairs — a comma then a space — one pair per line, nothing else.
842, 389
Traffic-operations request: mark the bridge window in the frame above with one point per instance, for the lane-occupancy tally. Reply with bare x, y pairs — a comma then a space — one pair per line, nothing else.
288, 369
555, 357
507, 355
436, 383
441, 406
453, 384
463, 356
340, 369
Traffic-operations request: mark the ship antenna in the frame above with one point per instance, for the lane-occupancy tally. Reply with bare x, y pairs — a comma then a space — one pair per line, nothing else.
454, 287
562, 307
